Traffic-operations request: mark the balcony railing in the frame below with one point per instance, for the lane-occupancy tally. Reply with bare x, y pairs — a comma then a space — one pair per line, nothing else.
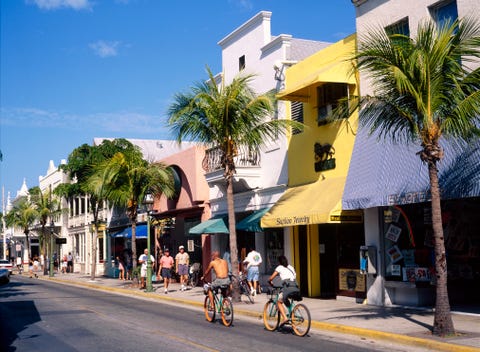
245, 157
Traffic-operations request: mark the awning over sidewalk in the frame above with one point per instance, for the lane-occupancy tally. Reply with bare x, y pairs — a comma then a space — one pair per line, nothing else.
141, 232
315, 203
252, 222
383, 173
214, 225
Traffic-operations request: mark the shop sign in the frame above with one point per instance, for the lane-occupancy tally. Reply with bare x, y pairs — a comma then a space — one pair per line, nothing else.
408, 198
293, 221
324, 159
351, 280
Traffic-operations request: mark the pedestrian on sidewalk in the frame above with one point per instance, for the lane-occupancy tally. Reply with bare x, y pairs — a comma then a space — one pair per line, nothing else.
143, 260
69, 262
253, 261
182, 260
121, 269
64, 264
166, 264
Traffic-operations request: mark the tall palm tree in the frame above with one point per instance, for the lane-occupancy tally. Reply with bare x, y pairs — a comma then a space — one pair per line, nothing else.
125, 179
47, 206
23, 215
425, 89
228, 117
81, 165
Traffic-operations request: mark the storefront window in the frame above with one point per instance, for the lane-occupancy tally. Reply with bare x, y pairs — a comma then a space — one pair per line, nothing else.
408, 243
274, 248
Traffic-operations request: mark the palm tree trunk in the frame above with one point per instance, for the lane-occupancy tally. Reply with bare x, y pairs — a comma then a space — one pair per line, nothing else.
233, 235
443, 324
94, 253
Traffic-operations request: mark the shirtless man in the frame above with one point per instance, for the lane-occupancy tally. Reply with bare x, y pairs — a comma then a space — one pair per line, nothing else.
220, 266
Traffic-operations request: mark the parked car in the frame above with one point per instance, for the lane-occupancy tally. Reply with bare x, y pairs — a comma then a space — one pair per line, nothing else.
4, 276
6, 264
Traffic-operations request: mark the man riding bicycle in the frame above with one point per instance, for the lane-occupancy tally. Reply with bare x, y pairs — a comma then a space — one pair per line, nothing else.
220, 267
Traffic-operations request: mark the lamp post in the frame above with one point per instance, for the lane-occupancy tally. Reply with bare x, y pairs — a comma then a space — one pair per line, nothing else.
50, 257
148, 202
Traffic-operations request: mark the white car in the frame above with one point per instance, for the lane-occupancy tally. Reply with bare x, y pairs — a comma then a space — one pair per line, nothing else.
6, 264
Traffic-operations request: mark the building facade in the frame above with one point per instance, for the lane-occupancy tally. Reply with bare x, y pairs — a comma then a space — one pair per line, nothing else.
261, 178
390, 183
323, 238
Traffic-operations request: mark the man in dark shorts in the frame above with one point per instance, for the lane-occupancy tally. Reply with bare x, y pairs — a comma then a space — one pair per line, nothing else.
166, 263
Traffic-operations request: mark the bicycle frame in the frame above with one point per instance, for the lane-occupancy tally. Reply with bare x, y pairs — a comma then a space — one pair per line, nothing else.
221, 305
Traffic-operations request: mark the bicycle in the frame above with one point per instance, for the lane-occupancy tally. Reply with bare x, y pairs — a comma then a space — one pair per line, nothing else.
244, 287
221, 305
298, 314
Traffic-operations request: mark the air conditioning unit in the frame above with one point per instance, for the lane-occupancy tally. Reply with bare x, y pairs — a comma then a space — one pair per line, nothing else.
323, 113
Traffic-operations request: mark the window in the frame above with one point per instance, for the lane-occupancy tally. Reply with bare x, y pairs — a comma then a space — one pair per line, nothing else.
444, 12
241, 63
296, 113
327, 99
400, 27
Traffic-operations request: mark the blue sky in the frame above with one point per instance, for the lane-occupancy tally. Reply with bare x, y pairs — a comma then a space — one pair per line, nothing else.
72, 70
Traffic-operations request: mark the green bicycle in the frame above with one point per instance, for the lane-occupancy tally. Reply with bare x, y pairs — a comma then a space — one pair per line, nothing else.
221, 305
298, 314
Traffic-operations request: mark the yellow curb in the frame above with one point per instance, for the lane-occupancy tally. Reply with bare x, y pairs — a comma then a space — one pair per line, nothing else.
374, 334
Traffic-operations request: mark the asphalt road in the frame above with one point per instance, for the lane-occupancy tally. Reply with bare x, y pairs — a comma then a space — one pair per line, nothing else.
37, 315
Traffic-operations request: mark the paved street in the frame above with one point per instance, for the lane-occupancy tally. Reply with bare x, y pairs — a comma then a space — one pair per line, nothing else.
40, 315
333, 319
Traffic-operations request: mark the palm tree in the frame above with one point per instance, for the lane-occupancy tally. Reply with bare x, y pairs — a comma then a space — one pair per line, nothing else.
81, 165
125, 179
23, 215
228, 117
424, 90
47, 206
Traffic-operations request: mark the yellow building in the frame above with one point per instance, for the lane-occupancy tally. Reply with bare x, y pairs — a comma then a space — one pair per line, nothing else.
324, 240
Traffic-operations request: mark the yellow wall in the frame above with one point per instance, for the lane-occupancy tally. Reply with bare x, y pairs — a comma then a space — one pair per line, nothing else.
330, 64
327, 65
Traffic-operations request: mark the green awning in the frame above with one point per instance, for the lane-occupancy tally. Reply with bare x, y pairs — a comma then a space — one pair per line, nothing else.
252, 222
214, 225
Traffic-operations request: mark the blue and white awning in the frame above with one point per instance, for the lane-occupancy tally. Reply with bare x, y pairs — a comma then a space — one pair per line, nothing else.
383, 173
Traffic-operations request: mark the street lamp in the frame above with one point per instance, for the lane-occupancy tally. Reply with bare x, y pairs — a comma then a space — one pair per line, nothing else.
148, 202
52, 226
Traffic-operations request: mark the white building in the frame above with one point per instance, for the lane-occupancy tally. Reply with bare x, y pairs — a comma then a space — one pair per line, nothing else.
262, 178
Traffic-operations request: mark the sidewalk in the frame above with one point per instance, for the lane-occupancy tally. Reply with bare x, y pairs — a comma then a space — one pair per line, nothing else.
408, 326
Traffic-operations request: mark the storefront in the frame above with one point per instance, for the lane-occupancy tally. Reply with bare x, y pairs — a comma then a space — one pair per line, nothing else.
391, 184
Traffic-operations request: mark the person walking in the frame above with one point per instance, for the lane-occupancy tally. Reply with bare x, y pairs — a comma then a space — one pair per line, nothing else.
121, 269
166, 264
64, 264
69, 262
182, 260
253, 261
143, 261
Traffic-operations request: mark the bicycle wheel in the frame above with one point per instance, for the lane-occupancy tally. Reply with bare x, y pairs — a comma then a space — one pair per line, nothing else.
271, 316
300, 320
227, 312
209, 312
246, 291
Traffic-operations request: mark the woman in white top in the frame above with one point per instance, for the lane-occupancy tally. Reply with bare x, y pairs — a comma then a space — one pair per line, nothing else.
285, 272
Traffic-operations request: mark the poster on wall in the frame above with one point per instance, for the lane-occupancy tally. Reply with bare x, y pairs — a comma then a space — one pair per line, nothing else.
395, 270
394, 254
409, 274
393, 232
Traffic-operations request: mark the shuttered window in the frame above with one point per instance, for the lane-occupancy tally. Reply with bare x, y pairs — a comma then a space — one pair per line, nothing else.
297, 114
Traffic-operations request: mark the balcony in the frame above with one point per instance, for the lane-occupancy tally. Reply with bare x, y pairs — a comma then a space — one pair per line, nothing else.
247, 165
